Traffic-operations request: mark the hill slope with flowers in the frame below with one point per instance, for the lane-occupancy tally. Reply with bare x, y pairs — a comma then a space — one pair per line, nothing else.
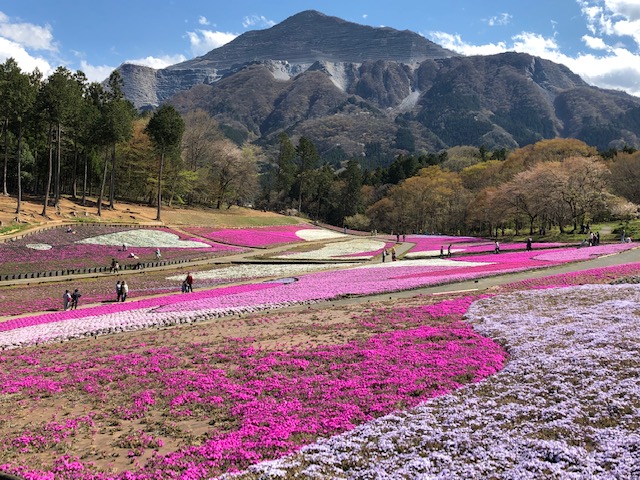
227, 378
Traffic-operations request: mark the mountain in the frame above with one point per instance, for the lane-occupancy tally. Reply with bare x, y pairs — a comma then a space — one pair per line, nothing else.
376, 92
295, 44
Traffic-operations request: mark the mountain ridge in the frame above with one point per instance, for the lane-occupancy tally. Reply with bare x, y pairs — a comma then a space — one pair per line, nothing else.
353, 86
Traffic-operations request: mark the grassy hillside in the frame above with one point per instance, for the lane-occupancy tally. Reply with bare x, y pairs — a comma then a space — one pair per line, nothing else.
70, 211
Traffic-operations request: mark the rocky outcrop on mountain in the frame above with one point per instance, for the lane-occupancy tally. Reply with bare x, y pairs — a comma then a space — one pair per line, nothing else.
358, 90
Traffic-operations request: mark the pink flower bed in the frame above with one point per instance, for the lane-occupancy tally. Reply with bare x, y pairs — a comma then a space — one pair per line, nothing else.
268, 403
65, 253
433, 243
584, 253
252, 237
135, 307
489, 246
426, 243
583, 277
310, 288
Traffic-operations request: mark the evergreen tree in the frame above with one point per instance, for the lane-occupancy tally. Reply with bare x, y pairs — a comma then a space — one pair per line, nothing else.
19, 91
165, 129
351, 198
286, 167
307, 159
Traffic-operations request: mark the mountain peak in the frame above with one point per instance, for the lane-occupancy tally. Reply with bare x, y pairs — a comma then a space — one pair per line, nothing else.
311, 36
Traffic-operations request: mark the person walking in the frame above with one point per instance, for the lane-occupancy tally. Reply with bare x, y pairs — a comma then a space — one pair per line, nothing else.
393, 254
75, 296
449, 250
158, 254
66, 300
189, 281
384, 254
529, 244
124, 290
497, 247
118, 291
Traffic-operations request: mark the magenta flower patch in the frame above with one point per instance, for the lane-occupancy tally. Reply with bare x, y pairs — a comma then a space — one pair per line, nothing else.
57, 249
252, 237
258, 404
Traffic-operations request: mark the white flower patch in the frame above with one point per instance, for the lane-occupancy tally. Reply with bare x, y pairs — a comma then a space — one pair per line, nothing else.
566, 405
39, 246
246, 272
143, 238
429, 253
310, 234
427, 262
338, 249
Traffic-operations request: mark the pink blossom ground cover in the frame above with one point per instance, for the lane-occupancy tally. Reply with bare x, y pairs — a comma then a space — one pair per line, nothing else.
604, 275
31, 253
233, 441
490, 246
430, 245
139, 397
434, 242
252, 237
24, 299
370, 279
566, 406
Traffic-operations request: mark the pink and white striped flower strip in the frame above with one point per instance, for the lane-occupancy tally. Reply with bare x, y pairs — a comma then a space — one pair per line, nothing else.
369, 279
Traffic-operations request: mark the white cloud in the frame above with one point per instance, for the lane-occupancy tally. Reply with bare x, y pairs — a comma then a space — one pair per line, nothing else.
535, 44
157, 62
620, 18
28, 35
594, 43
501, 19
203, 20
617, 68
25, 60
257, 21
627, 8
96, 73
203, 41
455, 43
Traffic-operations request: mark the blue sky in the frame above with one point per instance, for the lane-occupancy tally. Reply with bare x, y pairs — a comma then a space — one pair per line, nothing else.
597, 39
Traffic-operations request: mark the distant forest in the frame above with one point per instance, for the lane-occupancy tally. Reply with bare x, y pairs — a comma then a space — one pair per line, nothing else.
63, 135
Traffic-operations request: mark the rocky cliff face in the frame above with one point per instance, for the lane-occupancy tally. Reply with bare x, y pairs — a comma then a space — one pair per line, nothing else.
339, 83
